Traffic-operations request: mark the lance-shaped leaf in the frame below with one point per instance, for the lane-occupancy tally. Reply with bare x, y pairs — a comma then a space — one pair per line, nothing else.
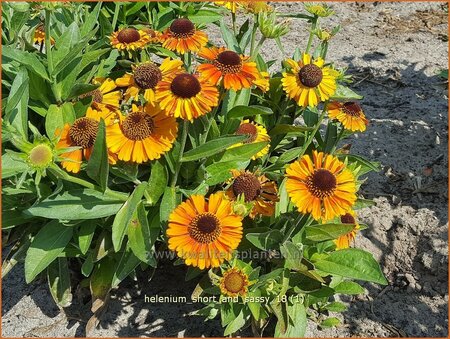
125, 214
212, 147
98, 165
46, 246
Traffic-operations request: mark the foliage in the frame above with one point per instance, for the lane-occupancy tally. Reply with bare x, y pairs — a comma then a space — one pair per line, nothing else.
110, 219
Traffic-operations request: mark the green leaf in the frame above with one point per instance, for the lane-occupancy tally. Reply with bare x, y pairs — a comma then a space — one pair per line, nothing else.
243, 152
280, 312
229, 38
221, 171
139, 237
58, 277
77, 204
255, 307
289, 155
349, 287
331, 137
336, 307
57, 117
85, 235
125, 214
352, 263
292, 255
345, 93
91, 20
235, 325
297, 323
13, 217
372, 165
285, 129
168, 203
79, 89
29, 60
98, 166
46, 246
330, 322
324, 232
361, 203
265, 241
238, 112
12, 165
157, 182
64, 47
101, 278
16, 110
204, 16
212, 147
128, 262
88, 265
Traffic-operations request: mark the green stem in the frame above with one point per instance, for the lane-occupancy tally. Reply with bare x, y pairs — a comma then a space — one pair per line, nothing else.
183, 145
212, 116
233, 20
258, 46
295, 224
187, 61
324, 50
64, 176
253, 38
48, 45
339, 137
311, 33
313, 133
116, 15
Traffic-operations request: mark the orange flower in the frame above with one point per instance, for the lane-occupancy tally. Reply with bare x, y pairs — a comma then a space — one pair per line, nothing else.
349, 114
235, 70
129, 39
81, 134
186, 96
344, 240
204, 233
323, 186
182, 37
144, 134
256, 189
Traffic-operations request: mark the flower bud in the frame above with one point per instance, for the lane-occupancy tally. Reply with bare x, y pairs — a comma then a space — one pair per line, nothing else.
40, 156
270, 28
317, 9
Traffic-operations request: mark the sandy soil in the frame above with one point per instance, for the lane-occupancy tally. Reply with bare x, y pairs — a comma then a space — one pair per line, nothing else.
394, 51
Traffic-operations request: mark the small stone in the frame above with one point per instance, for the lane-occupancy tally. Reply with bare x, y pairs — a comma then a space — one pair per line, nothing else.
396, 200
410, 279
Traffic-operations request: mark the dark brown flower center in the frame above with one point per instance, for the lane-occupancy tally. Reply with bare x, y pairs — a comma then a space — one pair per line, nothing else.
310, 75
248, 185
147, 76
96, 95
228, 62
185, 86
249, 130
352, 109
234, 282
205, 228
321, 183
83, 132
138, 126
348, 219
182, 28
128, 35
